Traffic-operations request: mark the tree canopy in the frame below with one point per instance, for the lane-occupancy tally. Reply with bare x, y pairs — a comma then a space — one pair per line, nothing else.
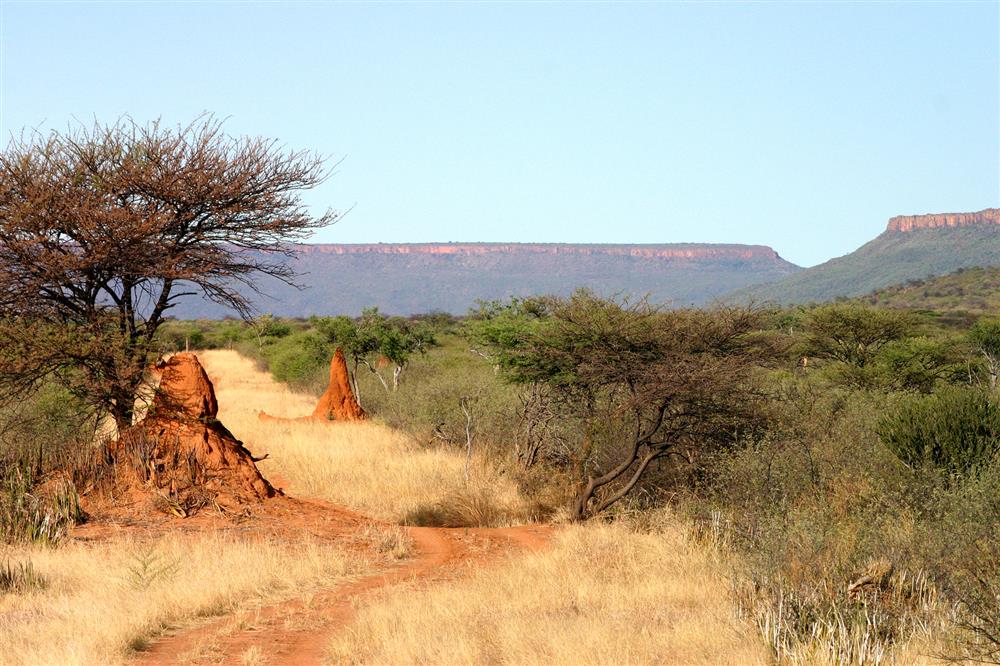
640, 384
104, 228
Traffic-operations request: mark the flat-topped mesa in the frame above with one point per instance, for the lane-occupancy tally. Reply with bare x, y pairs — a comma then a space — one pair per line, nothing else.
660, 251
938, 220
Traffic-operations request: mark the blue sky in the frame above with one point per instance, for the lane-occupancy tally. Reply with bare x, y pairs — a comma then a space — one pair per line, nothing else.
803, 126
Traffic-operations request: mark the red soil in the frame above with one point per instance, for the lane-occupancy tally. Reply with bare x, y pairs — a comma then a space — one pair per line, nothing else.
298, 631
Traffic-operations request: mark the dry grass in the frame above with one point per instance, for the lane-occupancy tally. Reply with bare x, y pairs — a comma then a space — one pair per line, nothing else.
390, 540
102, 601
600, 594
365, 466
845, 634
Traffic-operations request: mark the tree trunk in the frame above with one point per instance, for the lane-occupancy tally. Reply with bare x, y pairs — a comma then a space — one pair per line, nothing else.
122, 412
354, 383
578, 511
464, 402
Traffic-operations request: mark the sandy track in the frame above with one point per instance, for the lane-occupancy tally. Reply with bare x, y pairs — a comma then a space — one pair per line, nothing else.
298, 631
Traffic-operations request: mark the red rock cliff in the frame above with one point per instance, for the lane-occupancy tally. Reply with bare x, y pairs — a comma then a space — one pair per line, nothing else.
935, 221
667, 251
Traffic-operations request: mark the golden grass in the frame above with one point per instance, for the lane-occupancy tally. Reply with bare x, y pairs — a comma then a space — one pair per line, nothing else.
365, 466
106, 599
600, 594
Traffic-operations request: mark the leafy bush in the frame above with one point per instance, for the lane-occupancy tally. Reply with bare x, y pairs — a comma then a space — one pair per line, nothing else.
955, 429
299, 358
648, 387
985, 337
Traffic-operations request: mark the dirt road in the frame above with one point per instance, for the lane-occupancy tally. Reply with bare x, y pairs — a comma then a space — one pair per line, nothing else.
298, 631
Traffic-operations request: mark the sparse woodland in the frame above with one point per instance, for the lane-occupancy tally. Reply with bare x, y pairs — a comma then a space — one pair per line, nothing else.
828, 473
841, 457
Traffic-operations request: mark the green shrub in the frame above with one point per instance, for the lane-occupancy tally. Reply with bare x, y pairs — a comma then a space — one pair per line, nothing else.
955, 429
959, 543
299, 359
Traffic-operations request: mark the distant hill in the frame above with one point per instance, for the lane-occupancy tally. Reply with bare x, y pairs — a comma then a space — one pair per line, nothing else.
974, 291
412, 278
911, 247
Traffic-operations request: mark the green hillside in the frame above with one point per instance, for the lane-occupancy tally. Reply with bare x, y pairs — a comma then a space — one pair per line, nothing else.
891, 259
963, 295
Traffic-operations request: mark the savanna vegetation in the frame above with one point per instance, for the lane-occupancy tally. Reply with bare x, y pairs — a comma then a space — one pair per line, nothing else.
825, 475
962, 296
837, 461
841, 457
892, 258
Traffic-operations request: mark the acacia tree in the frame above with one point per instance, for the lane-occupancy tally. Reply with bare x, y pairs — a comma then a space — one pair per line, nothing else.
344, 332
639, 385
373, 339
104, 228
853, 334
394, 340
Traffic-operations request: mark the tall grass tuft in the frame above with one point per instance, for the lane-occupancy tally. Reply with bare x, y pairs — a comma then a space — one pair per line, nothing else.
20, 577
31, 513
824, 626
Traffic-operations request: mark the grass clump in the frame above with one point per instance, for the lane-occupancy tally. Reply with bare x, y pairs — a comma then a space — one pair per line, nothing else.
31, 513
391, 540
474, 505
20, 578
43, 440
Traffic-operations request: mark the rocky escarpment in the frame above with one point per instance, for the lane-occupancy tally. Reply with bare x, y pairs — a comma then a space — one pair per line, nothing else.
666, 251
912, 247
939, 220
407, 278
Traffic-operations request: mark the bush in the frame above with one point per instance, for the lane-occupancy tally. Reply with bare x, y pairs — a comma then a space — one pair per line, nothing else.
300, 359
955, 429
29, 516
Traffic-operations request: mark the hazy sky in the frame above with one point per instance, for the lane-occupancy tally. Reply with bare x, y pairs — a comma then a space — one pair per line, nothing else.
803, 126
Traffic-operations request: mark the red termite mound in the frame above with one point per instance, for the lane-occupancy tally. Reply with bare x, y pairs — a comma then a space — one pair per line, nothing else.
181, 448
337, 403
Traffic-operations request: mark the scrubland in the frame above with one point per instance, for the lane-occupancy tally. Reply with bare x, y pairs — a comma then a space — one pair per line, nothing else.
598, 594
853, 520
